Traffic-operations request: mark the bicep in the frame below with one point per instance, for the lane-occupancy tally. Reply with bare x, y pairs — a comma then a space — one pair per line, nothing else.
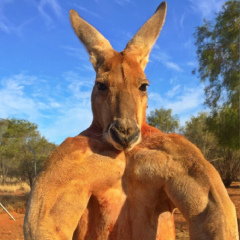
203, 200
53, 205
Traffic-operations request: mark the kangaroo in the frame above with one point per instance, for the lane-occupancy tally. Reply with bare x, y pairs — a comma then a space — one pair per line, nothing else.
121, 179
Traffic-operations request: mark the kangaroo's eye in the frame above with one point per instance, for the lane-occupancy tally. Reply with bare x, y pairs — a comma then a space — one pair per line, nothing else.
101, 86
143, 87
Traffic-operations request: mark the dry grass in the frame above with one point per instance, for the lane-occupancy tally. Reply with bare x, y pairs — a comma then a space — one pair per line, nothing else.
13, 188
14, 196
14, 203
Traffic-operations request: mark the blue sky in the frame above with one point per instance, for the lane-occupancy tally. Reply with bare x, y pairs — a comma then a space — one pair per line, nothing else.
45, 75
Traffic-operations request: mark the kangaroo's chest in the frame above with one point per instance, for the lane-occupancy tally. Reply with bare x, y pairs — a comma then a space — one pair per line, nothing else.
122, 213
106, 216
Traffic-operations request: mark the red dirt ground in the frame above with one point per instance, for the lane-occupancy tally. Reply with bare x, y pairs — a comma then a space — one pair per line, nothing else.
12, 230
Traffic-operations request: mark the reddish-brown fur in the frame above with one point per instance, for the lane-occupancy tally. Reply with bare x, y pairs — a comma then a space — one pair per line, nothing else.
121, 179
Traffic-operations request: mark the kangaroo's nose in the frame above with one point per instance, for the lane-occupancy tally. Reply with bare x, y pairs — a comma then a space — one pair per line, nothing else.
124, 131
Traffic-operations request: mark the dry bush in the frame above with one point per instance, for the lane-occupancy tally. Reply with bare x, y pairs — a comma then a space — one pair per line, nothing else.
13, 188
14, 196
14, 202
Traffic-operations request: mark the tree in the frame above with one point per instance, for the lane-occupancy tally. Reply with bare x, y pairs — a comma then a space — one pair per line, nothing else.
42, 148
14, 133
197, 132
226, 161
224, 125
163, 120
218, 56
4, 169
16, 137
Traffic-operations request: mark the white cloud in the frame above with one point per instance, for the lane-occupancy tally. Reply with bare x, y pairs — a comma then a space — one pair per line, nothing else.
59, 110
69, 124
20, 79
207, 8
54, 104
156, 99
174, 80
183, 101
13, 101
174, 66
172, 92
53, 4
182, 20
76, 89
5, 24
160, 56
192, 64
189, 44
77, 52
87, 67
87, 11
123, 2
188, 101
165, 59
156, 46
74, 77
80, 87
8, 27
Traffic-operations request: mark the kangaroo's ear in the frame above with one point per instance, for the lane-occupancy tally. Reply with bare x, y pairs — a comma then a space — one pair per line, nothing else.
141, 44
97, 46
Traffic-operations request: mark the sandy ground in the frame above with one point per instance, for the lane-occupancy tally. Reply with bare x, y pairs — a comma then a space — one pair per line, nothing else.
12, 230
9, 229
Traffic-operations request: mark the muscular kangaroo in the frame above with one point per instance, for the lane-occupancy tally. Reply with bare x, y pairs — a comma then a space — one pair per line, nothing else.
121, 179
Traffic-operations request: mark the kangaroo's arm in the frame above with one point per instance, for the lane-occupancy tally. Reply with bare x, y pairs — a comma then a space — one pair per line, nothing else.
192, 184
61, 192
198, 192
53, 212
